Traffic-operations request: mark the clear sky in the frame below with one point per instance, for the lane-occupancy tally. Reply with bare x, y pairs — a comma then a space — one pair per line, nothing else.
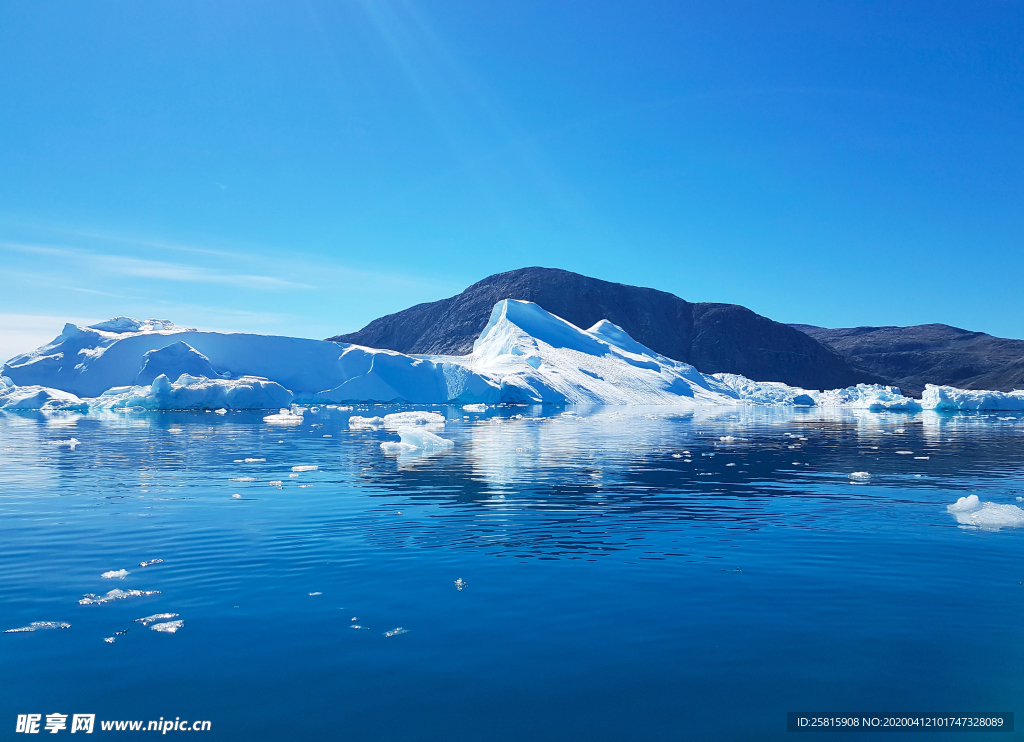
303, 167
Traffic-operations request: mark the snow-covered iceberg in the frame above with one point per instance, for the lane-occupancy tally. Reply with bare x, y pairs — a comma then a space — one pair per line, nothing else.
773, 393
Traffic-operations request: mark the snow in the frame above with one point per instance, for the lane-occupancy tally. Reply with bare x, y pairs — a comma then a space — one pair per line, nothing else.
970, 511
947, 398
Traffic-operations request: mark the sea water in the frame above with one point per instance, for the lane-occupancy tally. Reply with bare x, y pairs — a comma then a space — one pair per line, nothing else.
557, 574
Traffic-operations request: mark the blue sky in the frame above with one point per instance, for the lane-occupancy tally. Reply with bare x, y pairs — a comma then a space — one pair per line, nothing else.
301, 168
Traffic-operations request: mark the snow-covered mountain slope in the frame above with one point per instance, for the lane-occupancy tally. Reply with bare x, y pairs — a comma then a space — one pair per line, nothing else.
524, 355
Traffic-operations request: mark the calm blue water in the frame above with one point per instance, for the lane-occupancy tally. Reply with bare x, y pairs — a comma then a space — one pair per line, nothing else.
613, 592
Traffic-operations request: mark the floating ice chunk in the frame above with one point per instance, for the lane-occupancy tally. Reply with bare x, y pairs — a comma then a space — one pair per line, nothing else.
365, 423
728, 439
860, 475
905, 453
116, 574
474, 407
116, 594
70, 443
155, 618
307, 467
316, 593
396, 632
921, 458
414, 418
39, 626
242, 479
175, 430
293, 475
414, 440
169, 627
236, 497
284, 417
253, 461
276, 483
677, 456
221, 411
109, 640
150, 562
460, 583
970, 511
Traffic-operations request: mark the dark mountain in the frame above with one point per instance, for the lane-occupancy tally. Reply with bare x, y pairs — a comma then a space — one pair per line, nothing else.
712, 337
933, 354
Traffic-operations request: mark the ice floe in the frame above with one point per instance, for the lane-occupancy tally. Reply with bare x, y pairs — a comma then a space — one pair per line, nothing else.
305, 467
395, 632
150, 562
156, 617
118, 574
39, 626
285, 417
115, 594
168, 627
356, 422
860, 476
971, 511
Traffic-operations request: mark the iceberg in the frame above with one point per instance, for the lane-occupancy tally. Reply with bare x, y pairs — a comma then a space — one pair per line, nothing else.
524, 355
416, 439
947, 398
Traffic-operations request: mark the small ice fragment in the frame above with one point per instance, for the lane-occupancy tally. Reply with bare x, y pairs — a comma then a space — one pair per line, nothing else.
39, 626
316, 593
354, 618
116, 573
310, 467
236, 497
115, 594
396, 632
905, 453
677, 456
860, 475
175, 430
899, 430
109, 640
460, 583
146, 621
687, 461
731, 464
365, 423
253, 461
70, 443
150, 562
169, 627
328, 436
293, 476
242, 479
221, 411
921, 458
304, 486
474, 407
275, 483
970, 511
284, 417
355, 626
727, 438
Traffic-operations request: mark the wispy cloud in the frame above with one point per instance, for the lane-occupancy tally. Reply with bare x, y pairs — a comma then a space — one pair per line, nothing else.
121, 265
